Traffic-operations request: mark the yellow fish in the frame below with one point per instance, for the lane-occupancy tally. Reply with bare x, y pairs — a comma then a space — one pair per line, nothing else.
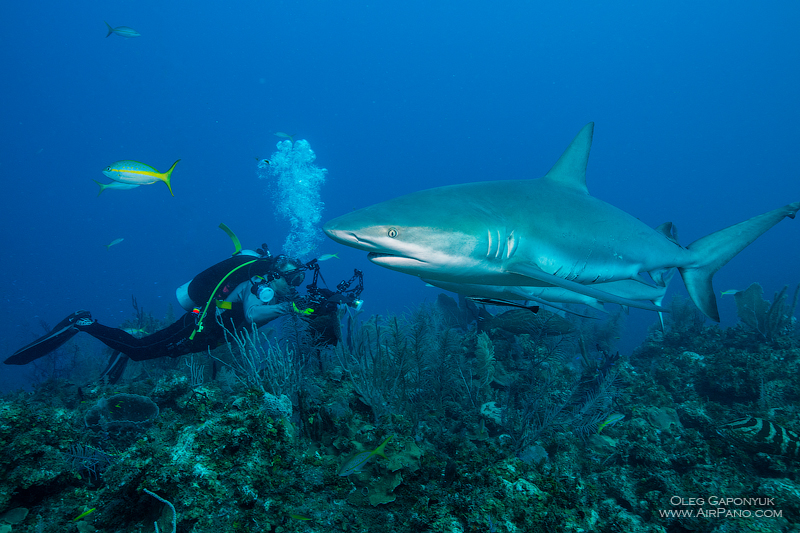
136, 332
357, 462
84, 514
112, 243
122, 31
114, 185
289, 136
610, 421
134, 172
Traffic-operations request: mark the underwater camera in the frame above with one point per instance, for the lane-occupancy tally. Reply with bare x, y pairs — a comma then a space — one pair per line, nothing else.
325, 300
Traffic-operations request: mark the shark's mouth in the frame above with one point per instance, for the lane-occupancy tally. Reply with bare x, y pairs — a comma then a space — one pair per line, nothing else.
392, 260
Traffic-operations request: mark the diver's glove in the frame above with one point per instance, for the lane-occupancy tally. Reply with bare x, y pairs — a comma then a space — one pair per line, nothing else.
302, 311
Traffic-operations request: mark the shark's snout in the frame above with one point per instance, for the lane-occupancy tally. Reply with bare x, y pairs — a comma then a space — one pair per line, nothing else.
333, 229
329, 230
345, 232
342, 237
330, 227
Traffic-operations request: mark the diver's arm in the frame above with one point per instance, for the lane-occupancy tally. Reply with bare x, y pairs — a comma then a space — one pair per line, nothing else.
255, 311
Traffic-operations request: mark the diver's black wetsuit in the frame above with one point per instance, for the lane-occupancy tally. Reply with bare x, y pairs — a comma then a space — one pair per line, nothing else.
248, 293
172, 341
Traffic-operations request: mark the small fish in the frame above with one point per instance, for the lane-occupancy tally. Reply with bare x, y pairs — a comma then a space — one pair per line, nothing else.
122, 31
357, 462
135, 332
134, 172
115, 185
723, 293
325, 257
610, 421
298, 517
84, 514
508, 303
289, 136
112, 243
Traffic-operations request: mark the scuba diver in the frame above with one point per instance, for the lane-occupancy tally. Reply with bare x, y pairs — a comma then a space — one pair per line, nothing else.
245, 290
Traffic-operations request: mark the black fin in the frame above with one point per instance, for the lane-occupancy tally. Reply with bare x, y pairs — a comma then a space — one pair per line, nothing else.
42, 346
115, 367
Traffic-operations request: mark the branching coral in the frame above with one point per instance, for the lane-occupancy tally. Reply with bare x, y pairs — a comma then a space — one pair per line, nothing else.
771, 321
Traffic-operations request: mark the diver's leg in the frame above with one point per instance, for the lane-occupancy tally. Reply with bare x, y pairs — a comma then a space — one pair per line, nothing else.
172, 341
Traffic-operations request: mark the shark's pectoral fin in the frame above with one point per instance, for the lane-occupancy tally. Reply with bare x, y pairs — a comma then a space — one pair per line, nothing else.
534, 272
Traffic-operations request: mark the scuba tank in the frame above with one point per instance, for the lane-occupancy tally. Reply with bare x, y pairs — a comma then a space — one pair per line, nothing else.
197, 290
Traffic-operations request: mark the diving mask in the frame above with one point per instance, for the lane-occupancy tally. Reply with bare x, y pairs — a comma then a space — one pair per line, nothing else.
294, 277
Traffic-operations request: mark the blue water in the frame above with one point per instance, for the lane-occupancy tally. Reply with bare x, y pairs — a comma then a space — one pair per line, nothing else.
695, 106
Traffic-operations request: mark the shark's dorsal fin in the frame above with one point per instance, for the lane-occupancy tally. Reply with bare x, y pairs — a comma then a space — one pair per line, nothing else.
570, 169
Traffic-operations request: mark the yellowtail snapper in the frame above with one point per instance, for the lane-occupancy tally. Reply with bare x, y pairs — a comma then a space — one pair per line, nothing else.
282, 135
84, 514
115, 185
136, 332
610, 421
134, 172
112, 243
357, 462
122, 31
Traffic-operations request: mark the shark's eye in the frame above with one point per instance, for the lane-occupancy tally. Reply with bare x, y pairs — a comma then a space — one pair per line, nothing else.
392, 233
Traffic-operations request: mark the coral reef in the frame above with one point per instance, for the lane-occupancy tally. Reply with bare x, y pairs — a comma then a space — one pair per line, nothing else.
772, 321
498, 424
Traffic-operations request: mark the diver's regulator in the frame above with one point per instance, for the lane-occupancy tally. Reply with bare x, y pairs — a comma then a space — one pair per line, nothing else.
260, 287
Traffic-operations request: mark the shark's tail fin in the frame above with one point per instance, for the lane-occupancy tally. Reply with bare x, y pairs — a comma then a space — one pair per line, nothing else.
712, 252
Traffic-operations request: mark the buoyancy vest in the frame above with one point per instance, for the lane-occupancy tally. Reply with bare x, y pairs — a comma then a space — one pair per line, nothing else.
215, 283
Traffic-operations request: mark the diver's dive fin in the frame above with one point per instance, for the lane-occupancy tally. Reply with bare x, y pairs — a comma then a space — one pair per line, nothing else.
116, 366
42, 346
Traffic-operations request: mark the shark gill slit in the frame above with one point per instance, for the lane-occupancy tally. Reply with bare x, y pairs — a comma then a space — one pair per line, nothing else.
500, 245
511, 246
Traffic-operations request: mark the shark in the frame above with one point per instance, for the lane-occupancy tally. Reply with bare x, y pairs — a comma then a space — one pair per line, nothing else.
524, 235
